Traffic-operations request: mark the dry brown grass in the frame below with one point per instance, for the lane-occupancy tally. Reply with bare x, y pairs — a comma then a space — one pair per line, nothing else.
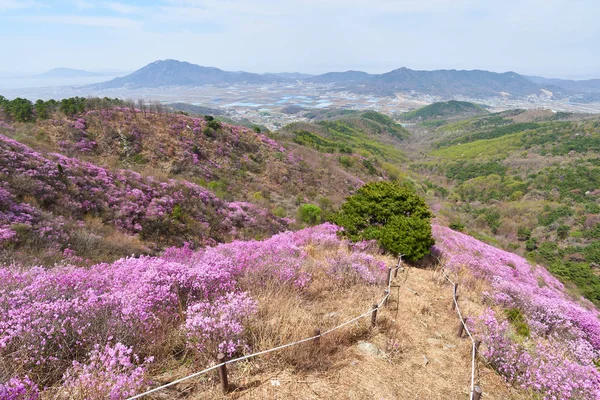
419, 353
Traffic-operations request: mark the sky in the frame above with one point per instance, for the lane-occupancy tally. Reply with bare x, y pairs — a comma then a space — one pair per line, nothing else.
552, 38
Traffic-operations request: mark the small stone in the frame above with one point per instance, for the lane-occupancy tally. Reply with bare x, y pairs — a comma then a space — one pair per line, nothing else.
449, 346
367, 348
425, 360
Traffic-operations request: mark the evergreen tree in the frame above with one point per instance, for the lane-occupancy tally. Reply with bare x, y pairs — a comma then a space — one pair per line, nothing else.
20, 110
390, 213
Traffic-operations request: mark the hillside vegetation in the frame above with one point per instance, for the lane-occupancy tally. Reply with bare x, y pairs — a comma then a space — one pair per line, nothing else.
111, 169
444, 110
55, 207
369, 139
527, 182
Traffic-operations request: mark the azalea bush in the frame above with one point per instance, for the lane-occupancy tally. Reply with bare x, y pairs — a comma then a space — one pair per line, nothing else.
96, 332
218, 327
348, 269
110, 373
558, 356
46, 200
19, 389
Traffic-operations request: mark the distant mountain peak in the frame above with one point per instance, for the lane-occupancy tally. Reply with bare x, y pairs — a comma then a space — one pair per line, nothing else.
171, 72
62, 72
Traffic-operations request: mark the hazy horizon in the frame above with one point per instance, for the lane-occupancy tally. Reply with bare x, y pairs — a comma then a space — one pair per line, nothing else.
110, 73
531, 37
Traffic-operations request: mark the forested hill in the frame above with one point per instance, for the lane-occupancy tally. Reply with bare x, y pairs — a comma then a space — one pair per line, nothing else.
444, 110
528, 181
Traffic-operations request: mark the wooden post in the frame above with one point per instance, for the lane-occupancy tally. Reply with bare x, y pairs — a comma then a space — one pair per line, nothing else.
318, 339
374, 316
477, 344
454, 296
387, 297
223, 373
389, 276
461, 328
476, 393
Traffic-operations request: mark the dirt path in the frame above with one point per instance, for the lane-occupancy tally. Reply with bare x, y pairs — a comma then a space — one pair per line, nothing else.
413, 354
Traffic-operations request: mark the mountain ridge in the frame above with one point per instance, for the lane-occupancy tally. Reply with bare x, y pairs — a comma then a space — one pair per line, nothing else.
179, 73
445, 83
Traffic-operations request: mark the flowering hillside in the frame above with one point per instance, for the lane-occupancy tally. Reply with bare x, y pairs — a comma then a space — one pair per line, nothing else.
52, 207
534, 334
97, 333
235, 162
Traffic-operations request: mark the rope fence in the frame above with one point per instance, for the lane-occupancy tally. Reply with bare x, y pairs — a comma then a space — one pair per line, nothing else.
391, 274
476, 392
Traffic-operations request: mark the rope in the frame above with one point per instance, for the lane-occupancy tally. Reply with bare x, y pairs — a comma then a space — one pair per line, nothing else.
387, 295
175, 382
463, 322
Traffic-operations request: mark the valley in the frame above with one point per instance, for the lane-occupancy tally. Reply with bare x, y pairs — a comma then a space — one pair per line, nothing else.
271, 105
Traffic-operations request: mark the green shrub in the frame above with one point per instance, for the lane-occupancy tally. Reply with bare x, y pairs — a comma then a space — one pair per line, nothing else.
214, 125
549, 215
464, 172
457, 226
492, 217
592, 208
531, 244
177, 213
563, 232
592, 253
517, 320
309, 214
368, 164
593, 233
390, 213
279, 212
345, 161
523, 233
